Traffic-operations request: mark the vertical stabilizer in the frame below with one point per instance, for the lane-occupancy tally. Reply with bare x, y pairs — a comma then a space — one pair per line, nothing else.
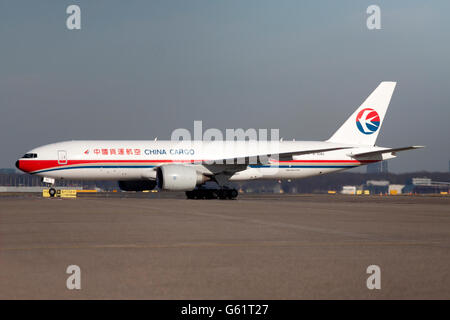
364, 124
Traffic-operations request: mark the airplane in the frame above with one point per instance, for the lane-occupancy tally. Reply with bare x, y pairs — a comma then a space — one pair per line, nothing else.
189, 165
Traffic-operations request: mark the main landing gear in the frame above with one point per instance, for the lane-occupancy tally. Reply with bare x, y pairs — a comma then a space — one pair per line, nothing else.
204, 193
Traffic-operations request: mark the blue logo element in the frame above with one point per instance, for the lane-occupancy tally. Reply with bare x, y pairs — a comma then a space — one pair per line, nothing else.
368, 121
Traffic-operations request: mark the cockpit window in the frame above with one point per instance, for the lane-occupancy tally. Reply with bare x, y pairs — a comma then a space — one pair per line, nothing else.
30, 155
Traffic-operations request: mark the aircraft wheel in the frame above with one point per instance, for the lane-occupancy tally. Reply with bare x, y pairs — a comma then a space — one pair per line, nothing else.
190, 194
222, 194
214, 194
199, 195
232, 194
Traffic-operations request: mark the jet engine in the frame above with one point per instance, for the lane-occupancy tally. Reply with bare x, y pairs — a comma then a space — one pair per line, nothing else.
137, 185
177, 177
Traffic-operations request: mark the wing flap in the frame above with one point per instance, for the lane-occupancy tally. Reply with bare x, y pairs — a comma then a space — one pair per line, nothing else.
379, 152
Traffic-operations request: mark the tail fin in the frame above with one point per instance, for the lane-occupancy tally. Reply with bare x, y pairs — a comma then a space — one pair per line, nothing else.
364, 124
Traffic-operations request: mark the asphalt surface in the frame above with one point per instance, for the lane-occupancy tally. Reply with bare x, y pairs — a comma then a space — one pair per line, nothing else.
257, 247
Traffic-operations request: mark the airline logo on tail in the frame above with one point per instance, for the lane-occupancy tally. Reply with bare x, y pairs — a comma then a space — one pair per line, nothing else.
368, 121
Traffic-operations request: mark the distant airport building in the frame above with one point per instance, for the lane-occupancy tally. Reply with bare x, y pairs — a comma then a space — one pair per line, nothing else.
396, 189
10, 178
348, 190
384, 166
426, 185
421, 181
7, 171
378, 167
377, 186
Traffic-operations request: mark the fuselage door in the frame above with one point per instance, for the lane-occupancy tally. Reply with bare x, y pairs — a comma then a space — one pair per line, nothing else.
62, 157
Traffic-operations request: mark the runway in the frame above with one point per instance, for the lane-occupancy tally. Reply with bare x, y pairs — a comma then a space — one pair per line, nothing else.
154, 246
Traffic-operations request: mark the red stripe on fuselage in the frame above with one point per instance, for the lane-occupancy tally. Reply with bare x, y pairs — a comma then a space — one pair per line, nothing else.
31, 165
337, 161
36, 165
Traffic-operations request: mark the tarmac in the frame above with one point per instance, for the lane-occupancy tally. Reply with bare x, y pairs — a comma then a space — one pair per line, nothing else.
162, 246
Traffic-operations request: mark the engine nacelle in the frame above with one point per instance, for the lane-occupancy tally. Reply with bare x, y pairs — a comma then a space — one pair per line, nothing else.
137, 185
176, 177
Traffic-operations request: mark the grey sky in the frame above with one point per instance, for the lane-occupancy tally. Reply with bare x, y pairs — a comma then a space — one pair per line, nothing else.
139, 69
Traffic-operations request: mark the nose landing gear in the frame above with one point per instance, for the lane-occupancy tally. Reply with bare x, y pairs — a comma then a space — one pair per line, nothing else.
52, 192
50, 182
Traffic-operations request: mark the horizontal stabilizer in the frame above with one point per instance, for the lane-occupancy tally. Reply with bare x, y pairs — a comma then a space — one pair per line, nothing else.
379, 152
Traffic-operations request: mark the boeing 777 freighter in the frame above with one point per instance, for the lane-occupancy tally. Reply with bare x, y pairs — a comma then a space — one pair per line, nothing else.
188, 165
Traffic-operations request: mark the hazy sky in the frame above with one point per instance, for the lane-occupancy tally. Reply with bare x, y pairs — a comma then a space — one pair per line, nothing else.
139, 69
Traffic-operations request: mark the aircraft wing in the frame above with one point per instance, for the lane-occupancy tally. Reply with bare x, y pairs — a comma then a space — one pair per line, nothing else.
380, 152
225, 168
263, 158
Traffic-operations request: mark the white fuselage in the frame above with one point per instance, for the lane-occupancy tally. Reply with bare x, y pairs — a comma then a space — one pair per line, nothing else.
136, 160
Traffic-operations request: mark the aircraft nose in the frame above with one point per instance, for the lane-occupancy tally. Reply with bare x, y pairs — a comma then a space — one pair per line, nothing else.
17, 164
